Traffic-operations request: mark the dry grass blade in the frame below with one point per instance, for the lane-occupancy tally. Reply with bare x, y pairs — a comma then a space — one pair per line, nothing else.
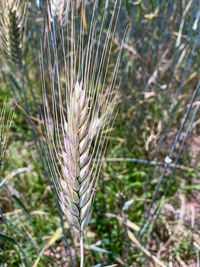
144, 250
124, 221
51, 241
12, 23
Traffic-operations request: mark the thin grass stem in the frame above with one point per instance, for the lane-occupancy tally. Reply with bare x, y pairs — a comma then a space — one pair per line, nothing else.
81, 250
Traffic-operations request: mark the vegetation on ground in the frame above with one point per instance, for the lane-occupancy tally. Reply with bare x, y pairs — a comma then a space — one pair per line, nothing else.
146, 210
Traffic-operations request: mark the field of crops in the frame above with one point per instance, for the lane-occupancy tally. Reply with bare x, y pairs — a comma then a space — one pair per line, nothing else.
100, 118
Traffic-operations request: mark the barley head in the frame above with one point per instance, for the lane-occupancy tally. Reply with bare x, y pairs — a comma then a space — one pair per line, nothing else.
79, 117
5, 124
58, 9
12, 23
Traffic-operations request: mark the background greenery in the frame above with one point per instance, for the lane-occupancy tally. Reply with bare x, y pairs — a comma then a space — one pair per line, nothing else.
146, 212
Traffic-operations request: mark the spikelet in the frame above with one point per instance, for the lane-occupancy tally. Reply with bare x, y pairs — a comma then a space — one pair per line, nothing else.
12, 23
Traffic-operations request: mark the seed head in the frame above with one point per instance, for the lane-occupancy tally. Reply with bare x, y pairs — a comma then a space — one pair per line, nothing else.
12, 23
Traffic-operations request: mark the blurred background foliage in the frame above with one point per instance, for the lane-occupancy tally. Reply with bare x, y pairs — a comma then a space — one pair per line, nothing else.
146, 212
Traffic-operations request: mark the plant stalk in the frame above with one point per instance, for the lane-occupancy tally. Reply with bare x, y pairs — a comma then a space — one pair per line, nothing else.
81, 250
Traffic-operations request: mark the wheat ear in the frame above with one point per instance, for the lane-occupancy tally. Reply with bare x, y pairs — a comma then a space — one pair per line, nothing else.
12, 23
80, 116
5, 124
58, 9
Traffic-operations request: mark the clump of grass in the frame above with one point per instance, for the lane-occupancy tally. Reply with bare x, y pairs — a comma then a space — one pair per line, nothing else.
79, 120
12, 23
